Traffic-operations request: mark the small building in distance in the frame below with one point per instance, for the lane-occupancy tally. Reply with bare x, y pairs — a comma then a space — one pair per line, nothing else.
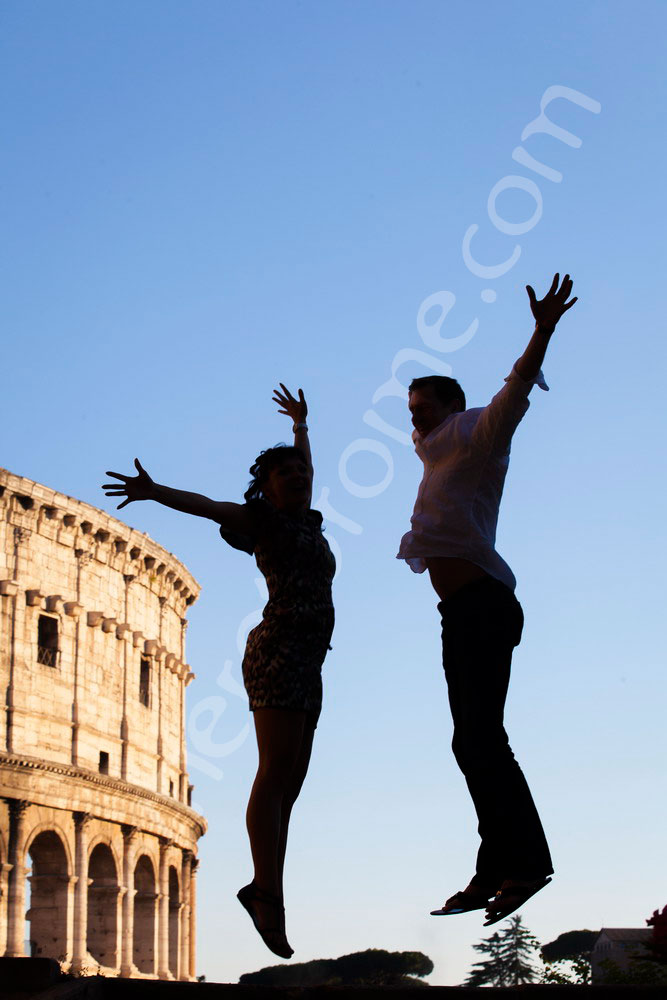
618, 944
98, 840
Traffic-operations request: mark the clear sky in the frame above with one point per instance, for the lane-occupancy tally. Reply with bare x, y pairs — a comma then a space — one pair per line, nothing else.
202, 199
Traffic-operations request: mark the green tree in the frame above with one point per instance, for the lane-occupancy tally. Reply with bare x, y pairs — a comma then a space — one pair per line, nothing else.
373, 967
490, 971
567, 960
509, 957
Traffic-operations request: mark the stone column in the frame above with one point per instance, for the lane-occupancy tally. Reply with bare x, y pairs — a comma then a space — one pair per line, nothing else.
127, 924
82, 560
184, 964
124, 724
4, 878
20, 535
80, 930
16, 879
183, 777
193, 916
163, 912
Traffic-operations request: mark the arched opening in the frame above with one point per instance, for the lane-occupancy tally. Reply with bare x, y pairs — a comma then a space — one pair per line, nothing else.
103, 896
145, 896
49, 897
174, 921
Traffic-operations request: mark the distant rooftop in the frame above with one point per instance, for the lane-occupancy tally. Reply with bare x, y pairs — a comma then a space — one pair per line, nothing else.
627, 933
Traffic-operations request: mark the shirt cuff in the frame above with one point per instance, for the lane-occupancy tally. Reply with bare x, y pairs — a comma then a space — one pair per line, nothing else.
538, 380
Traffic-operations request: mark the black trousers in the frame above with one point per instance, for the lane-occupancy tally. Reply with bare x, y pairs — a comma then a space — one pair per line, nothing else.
481, 625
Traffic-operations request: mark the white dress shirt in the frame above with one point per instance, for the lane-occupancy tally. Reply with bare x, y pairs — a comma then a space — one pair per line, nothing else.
465, 463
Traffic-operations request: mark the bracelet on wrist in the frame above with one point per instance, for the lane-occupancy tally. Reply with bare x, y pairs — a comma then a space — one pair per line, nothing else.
303, 426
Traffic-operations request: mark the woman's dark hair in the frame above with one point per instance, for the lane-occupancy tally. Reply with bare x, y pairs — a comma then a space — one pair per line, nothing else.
263, 465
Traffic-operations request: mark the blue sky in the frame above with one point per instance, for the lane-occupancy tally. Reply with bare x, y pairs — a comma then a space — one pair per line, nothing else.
200, 200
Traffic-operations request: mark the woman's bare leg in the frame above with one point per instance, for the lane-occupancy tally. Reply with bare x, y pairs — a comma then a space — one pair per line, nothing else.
280, 734
292, 792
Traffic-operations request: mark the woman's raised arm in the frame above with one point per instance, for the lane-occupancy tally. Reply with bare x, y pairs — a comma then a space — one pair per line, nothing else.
231, 516
297, 409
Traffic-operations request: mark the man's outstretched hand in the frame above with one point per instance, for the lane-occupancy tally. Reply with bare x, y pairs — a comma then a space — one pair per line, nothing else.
548, 311
139, 487
297, 409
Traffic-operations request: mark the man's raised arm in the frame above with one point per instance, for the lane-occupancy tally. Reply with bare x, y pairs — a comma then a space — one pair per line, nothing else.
547, 312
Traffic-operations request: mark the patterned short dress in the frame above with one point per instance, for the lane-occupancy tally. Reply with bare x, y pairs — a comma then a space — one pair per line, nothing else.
282, 665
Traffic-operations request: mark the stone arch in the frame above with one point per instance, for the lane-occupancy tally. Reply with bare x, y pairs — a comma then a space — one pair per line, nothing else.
50, 826
50, 903
103, 905
145, 896
174, 920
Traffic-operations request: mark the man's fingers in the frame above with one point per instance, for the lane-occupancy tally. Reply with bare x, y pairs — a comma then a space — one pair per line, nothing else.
138, 466
302, 398
286, 390
554, 284
116, 475
569, 304
566, 287
531, 295
123, 504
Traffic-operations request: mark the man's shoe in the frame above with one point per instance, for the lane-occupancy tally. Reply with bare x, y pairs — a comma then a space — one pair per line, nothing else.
510, 897
472, 898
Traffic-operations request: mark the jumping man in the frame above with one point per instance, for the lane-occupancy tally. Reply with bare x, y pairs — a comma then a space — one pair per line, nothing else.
466, 456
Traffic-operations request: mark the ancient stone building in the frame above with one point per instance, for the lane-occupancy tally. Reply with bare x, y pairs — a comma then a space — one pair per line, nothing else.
98, 841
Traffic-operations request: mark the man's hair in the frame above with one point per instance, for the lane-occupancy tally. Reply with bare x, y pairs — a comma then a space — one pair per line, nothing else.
444, 388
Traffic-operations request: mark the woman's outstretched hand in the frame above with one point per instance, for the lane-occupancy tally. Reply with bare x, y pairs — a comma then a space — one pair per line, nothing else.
297, 409
548, 311
139, 487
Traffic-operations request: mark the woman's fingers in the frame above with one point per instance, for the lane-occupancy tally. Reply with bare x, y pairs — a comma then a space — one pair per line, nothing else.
123, 504
138, 466
116, 475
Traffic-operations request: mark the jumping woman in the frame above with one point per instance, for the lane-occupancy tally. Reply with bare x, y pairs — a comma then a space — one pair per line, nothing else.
282, 666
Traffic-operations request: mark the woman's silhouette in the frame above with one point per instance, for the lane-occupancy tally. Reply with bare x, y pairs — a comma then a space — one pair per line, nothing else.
282, 666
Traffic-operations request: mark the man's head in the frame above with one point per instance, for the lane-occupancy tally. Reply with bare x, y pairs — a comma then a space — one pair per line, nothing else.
432, 399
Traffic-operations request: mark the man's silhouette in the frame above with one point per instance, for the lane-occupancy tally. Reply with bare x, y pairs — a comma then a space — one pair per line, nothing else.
466, 456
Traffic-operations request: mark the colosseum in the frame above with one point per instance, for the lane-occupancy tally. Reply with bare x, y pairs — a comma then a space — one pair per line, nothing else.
98, 840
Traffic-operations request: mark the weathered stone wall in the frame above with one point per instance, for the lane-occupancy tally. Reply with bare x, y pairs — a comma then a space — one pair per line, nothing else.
92, 751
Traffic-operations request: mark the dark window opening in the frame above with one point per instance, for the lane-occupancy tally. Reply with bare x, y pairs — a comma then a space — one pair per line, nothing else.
145, 681
47, 641
190, 787
104, 762
171, 788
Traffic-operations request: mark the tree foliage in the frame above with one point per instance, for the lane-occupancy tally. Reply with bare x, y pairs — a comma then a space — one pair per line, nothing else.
373, 967
570, 945
509, 957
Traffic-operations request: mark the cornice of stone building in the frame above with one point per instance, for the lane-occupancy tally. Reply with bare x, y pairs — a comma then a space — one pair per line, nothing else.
93, 533
18, 764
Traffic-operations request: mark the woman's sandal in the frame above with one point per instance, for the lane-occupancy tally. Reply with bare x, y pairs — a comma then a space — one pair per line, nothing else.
463, 902
510, 897
273, 937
